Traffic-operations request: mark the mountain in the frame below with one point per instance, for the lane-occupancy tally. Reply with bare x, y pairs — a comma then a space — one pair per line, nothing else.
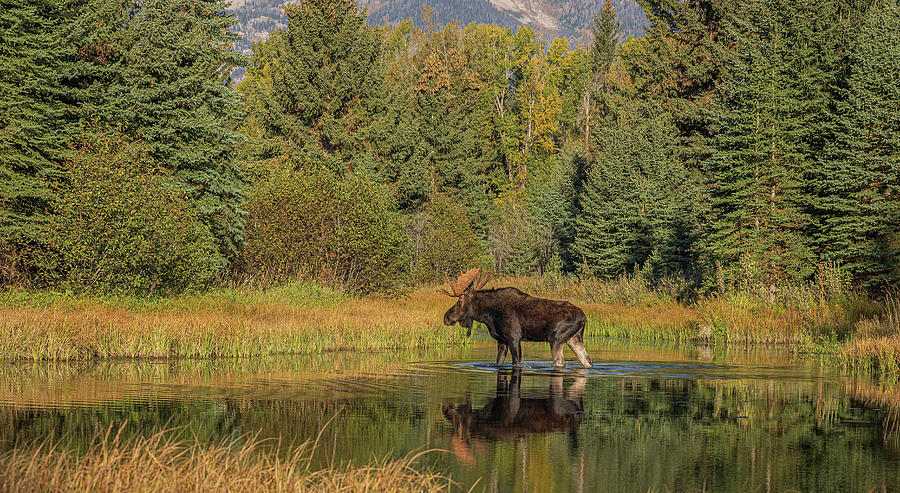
571, 19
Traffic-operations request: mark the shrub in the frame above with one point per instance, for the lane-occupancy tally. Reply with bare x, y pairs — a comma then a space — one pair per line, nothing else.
120, 226
307, 223
291, 230
372, 243
445, 242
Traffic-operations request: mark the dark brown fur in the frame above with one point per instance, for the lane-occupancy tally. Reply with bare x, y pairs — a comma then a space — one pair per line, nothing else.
512, 316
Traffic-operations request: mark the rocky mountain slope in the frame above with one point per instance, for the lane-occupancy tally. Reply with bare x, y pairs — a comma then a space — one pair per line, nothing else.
568, 18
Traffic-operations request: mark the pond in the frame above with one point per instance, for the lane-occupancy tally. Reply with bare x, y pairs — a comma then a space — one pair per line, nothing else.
647, 418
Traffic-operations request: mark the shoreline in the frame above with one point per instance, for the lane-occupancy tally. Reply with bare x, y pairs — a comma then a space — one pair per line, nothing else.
304, 318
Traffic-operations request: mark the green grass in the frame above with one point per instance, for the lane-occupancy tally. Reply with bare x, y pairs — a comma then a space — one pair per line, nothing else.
296, 293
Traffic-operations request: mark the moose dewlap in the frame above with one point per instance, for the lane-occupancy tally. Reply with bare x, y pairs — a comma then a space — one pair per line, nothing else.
512, 316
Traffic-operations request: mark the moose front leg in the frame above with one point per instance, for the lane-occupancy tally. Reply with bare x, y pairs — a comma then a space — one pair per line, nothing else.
501, 353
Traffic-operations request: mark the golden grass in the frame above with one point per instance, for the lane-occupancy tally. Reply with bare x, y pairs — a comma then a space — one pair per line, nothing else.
225, 328
164, 463
303, 318
874, 346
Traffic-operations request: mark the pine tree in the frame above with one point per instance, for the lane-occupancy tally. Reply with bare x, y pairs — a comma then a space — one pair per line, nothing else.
859, 180
308, 91
162, 73
31, 133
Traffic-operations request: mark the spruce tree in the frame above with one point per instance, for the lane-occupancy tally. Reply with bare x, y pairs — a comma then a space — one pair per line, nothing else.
638, 207
32, 56
310, 88
679, 64
162, 73
606, 33
772, 114
859, 180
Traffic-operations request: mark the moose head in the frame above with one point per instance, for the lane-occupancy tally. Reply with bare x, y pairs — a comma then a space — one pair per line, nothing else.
463, 288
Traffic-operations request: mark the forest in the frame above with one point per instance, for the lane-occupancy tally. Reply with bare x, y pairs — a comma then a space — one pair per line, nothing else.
748, 146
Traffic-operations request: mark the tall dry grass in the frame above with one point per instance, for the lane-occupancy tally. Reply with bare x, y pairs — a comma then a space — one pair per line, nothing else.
164, 463
221, 327
302, 318
875, 345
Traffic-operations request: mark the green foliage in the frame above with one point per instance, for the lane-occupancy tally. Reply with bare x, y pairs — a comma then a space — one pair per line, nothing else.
638, 206
757, 136
120, 226
308, 88
678, 63
556, 207
31, 133
520, 245
308, 223
446, 242
858, 183
773, 110
606, 39
372, 239
160, 69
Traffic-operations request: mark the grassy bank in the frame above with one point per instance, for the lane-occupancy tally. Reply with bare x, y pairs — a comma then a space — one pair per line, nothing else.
162, 462
299, 318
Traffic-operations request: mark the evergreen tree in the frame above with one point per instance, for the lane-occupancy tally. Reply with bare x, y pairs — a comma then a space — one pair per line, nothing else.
859, 180
556, 207
307, 90
638, 206
773, 108
162, 72
31, 135
679, 64
448, 109
606, 33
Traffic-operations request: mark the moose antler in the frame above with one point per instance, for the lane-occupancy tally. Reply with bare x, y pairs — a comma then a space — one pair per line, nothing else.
481, 282
463, 281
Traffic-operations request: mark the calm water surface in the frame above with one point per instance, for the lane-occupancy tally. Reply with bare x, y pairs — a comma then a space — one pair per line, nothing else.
647, 417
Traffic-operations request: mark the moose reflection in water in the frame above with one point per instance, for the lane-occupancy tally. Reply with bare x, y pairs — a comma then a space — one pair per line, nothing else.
509, 416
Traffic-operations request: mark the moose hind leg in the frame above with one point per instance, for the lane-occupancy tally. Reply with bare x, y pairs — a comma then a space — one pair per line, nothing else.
577, 345
556, 350
516, 349
501, 353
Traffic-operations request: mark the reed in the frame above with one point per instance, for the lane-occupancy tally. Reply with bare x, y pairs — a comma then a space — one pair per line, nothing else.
163, 462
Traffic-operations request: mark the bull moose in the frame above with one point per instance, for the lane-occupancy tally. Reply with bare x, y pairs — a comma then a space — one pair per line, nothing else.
512, 316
